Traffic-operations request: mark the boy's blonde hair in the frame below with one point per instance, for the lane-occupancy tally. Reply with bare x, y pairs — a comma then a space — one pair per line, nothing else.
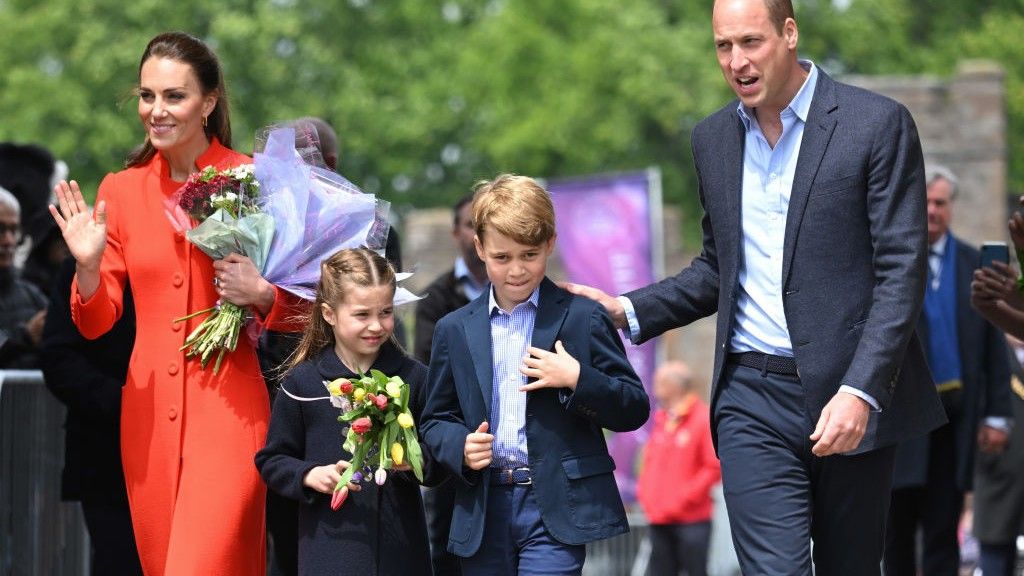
514, 206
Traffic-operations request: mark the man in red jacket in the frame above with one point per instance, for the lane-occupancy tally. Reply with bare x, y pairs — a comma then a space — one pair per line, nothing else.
679, 470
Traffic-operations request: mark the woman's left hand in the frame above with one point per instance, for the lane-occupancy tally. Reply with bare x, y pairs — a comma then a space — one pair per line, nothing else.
240, 283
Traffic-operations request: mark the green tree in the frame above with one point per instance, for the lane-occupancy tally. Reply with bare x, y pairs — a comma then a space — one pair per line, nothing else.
924, 36
429, 97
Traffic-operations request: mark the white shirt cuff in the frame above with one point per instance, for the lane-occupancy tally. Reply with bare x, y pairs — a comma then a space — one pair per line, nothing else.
634, 326
863, 396
999, 423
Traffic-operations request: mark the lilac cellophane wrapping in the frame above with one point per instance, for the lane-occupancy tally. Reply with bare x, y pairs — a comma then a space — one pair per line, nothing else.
316, 212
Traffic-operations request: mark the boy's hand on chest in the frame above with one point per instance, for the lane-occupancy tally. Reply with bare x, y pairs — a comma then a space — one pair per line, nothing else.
556, 369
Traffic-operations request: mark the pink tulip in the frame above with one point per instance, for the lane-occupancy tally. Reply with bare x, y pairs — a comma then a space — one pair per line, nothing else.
380, 476
362, 425
338, 498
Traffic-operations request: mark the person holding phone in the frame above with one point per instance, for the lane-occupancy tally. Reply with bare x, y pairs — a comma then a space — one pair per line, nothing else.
967, 358
994, 290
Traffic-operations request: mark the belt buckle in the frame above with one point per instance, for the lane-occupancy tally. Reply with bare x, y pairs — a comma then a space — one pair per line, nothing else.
512, 476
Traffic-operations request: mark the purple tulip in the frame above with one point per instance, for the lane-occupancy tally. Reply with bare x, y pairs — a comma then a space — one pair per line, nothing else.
357, 477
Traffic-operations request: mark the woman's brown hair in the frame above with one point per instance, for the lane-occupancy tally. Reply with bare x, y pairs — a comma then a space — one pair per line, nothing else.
190, 50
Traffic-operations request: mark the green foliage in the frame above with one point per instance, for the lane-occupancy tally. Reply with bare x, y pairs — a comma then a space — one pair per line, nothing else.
924, 36
428, 97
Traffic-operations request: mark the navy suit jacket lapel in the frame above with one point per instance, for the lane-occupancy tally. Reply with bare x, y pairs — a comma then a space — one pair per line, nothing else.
722, 177
731, 154
817, 133
477, 326
553, 307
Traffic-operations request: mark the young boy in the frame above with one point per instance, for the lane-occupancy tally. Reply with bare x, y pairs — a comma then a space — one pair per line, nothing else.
522, 380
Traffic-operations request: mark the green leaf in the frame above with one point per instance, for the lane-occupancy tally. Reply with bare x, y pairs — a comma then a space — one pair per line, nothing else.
413, 453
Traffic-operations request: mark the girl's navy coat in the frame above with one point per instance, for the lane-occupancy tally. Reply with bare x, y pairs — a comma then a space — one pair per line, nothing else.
377, 530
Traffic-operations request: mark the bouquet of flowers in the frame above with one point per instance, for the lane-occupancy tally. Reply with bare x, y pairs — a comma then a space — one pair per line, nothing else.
225, 204
317, 213
325, 211
381, 432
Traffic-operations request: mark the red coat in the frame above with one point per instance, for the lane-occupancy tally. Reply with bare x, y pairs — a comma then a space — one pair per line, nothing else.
679, 468
188, 437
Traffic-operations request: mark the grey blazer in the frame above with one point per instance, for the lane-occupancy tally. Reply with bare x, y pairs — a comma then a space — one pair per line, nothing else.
854, 261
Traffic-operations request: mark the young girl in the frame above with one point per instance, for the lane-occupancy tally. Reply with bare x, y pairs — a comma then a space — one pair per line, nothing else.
378, 530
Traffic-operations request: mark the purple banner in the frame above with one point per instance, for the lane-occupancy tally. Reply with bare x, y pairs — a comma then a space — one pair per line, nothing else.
605, 240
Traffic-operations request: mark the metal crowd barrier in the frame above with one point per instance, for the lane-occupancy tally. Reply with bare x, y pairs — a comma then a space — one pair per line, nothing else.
39, 534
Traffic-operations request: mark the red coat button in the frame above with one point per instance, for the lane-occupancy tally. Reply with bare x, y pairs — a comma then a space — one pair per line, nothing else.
172, 412
178, 280
172, 369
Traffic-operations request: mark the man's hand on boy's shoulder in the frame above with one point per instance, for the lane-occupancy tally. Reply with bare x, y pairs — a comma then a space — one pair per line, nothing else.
611, 304
556, 369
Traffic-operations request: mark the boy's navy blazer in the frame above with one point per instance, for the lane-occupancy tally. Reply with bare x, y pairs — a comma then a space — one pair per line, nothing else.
568, 458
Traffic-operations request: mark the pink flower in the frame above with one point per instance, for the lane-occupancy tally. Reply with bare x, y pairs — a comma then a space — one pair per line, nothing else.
338, 498
381, 401
362, 425
380, 476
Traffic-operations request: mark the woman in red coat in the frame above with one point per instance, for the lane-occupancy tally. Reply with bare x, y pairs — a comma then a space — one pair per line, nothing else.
188, 435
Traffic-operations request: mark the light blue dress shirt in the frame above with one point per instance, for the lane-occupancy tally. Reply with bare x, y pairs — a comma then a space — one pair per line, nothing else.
510, 336
759, 323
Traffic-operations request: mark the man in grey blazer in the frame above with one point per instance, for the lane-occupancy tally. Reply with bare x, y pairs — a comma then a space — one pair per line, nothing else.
814, 258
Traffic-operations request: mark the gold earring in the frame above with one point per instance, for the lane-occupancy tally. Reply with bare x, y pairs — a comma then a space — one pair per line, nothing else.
204, 121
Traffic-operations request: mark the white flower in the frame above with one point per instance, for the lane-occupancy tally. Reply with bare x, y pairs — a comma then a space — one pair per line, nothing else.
242, 171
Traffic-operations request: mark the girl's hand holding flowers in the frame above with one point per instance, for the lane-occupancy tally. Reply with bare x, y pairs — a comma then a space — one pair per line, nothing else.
323, 479
381, 433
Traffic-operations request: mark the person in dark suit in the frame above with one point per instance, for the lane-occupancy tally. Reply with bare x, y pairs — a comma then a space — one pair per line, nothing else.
814, 257
447, 293
967, 359
87, 376
521, 382
999, 484
456, 287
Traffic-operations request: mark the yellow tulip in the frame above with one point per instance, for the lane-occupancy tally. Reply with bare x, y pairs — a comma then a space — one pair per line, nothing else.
397, 453
334, 387
405, 420
394, 389
358, 394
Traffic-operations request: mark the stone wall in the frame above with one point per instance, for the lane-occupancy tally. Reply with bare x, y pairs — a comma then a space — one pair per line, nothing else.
962, 122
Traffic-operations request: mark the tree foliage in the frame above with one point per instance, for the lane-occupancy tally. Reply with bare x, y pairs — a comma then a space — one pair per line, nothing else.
428, 97
925, 36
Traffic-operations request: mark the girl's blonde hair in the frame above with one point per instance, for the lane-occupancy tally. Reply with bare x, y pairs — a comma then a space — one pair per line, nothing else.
345, 268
